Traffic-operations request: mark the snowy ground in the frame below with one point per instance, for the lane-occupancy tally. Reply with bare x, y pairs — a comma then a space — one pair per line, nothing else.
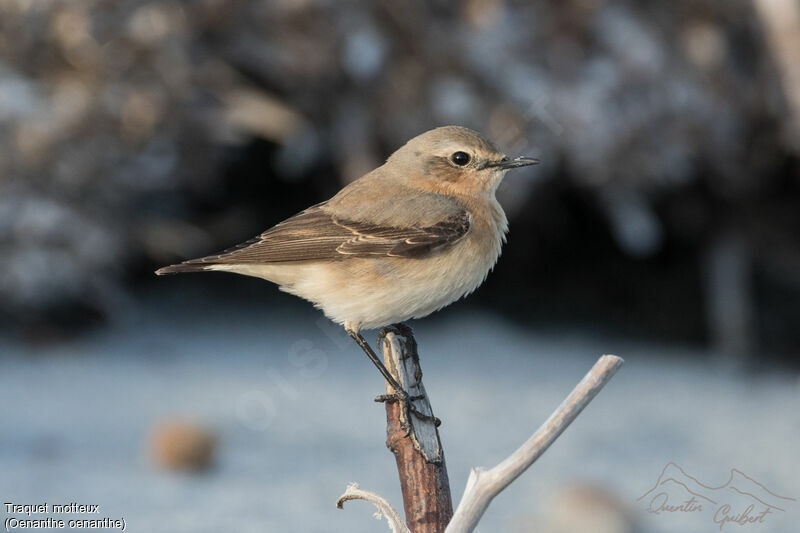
292, 401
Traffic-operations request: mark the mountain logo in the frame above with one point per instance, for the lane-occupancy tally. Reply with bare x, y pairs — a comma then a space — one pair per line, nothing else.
741, 500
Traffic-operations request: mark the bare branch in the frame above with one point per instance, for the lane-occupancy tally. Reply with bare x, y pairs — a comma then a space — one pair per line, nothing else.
484, 485
352, 492
414, 439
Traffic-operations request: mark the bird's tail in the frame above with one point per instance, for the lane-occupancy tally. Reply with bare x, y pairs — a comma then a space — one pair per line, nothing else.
180, 268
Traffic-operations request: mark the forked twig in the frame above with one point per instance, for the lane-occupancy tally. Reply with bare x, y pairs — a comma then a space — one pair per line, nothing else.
483, 485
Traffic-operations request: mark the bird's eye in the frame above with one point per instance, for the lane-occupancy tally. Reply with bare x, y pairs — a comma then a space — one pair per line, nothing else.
460, 158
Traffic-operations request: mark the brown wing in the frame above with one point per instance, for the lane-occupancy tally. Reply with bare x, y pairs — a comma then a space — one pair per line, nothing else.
316, 235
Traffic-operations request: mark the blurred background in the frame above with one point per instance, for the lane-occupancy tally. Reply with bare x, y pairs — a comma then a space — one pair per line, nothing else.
662, 225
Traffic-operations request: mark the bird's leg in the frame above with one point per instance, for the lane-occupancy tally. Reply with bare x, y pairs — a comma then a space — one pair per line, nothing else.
378, 363
400, 394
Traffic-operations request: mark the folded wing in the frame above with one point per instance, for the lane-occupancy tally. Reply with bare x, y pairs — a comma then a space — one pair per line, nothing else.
318, 235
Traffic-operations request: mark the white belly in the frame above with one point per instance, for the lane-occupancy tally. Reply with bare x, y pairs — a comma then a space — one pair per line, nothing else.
375, 292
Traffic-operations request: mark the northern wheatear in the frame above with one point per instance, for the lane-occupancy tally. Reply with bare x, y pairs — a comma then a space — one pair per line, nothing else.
410, 237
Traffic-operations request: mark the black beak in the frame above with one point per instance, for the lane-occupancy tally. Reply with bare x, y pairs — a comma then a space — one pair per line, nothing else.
507, 162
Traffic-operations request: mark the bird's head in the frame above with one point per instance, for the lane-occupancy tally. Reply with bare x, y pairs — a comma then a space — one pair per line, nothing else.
454, 160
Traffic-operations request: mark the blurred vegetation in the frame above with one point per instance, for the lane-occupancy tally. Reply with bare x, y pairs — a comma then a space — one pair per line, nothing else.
135, 133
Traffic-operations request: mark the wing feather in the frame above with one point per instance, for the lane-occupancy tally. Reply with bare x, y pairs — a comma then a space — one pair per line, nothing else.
317, 235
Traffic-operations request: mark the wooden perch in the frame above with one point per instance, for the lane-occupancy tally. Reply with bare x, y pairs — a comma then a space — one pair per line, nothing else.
415, 442
484, 485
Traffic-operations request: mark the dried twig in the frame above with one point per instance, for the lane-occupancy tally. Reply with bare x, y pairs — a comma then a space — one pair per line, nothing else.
414, 441
352, 492
484, 485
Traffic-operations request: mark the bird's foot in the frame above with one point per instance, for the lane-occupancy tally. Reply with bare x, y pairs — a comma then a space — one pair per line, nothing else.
399, 394
404, 331
406, 399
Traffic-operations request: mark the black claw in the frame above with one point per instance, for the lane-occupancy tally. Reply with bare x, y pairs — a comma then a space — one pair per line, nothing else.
404, 330
385, 331
391, 398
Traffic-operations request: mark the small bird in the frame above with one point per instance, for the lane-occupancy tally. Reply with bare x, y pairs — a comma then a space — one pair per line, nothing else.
406, 239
